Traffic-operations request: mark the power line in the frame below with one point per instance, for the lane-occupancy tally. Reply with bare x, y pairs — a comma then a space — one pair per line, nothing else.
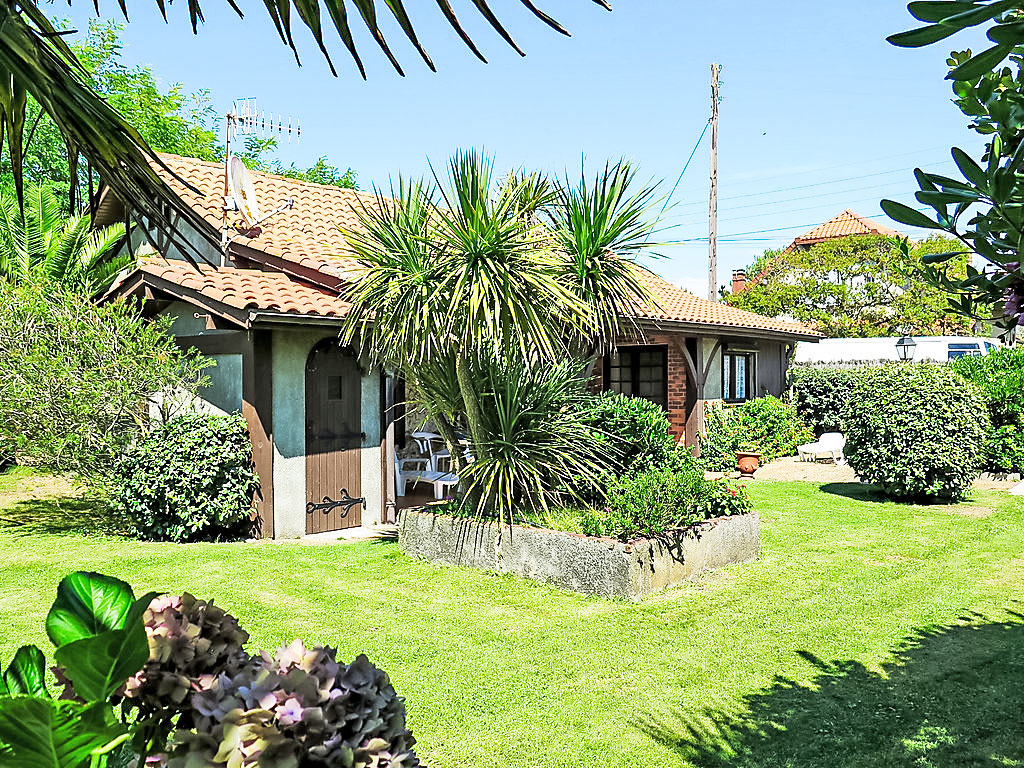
780, 229
817, 184
687, 165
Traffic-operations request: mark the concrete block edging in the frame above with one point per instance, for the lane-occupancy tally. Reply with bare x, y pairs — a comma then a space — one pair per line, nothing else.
586, 564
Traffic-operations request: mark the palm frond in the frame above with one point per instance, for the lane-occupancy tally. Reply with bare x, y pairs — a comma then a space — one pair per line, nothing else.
532, 438
602, 227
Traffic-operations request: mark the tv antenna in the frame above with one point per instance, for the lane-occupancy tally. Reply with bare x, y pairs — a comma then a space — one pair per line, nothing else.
239, 192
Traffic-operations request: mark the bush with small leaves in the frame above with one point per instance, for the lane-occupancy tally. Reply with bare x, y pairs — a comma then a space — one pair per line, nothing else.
917, 431
1000, 377
821, 394
190, 479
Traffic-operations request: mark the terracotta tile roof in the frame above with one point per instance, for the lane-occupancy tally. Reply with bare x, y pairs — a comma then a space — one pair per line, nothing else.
845, 224
309, 233
678, 305
248, 289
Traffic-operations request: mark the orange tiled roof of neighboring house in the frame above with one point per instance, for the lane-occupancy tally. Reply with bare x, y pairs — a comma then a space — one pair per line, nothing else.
845, 224
678, 305
249, 289
308, 233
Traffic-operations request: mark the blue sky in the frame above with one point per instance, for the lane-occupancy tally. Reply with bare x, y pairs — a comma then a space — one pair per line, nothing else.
818, 112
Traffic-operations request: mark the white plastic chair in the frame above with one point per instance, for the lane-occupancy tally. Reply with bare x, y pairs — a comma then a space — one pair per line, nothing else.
830, 443
403, 474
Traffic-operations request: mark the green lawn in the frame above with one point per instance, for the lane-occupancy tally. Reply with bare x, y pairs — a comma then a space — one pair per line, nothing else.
868, 634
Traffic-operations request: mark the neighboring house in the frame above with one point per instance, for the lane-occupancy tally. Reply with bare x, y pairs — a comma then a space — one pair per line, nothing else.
846, 224
324, 425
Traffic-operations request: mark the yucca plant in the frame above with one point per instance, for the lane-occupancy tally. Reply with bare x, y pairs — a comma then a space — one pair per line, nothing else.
474, 277
39, 242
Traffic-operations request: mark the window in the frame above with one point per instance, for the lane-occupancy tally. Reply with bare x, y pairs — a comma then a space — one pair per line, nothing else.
640, 372
963, 350
737, 376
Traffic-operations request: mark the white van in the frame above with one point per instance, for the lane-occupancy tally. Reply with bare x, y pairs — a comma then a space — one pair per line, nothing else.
938, 349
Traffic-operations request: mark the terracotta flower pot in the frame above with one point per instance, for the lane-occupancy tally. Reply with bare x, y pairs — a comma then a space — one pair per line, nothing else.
747, 463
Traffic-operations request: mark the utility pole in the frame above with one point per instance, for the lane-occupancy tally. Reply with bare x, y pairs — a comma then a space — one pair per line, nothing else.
713, 218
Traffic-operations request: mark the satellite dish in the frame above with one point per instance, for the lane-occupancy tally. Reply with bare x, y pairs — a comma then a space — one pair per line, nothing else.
242, 191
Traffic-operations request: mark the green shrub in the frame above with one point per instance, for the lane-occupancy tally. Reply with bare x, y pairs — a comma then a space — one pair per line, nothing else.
627, 435
631, 432
767, 425
1000, 377
656, 501
821, 394
189, 479
720, 440
723, 497
917, 431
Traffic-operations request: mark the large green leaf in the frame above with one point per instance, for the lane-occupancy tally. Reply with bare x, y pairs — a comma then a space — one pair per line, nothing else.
907, 215
26, 674
99, 665
87, 604
43, 733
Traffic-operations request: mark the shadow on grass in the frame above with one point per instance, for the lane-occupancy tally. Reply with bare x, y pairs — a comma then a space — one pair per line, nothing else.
952, 697
856, 491
61, 516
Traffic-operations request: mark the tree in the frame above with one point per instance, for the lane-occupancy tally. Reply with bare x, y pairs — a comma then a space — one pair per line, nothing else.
984, 211
38, 243
169, 120
36, 61
482, 292
75, 378
854, 286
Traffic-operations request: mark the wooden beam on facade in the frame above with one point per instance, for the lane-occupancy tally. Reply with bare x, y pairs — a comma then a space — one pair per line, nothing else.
257, 409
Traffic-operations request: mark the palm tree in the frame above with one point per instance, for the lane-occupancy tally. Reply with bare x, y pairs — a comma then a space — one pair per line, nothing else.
39, 242
472, 280
35, 59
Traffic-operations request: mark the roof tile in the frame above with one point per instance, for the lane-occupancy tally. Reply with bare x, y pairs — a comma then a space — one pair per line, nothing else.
251, 289
310, 234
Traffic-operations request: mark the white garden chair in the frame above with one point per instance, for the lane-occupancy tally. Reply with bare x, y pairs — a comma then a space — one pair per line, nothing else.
830, 444
405, 472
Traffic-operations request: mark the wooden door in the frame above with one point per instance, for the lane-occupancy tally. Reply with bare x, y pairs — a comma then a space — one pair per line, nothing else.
333, 439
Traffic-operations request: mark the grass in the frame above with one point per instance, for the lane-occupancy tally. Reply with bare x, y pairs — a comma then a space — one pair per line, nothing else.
868, 634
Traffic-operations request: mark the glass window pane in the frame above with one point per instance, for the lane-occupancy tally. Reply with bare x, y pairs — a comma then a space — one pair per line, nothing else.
741, 377
727, 378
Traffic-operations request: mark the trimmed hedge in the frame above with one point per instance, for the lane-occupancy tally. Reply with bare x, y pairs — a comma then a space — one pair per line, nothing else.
917, 431
821, 395
191, 479
1000, 377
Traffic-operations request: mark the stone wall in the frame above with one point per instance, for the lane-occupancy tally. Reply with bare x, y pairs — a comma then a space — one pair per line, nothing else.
590, 565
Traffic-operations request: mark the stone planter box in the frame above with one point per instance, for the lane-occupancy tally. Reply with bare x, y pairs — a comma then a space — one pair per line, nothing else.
591, 565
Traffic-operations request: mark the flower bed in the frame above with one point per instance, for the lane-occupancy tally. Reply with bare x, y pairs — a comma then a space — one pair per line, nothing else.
591, 565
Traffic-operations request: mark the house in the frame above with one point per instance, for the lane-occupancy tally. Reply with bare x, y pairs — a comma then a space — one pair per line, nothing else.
324, 425
846, 224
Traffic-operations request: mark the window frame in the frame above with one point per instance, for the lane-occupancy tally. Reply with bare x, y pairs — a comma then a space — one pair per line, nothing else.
634, 369
728, 365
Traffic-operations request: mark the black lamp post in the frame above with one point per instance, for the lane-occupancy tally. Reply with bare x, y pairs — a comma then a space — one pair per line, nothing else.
905, 348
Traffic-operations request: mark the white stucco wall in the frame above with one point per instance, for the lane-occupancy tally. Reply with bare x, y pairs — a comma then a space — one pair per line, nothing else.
291, 348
